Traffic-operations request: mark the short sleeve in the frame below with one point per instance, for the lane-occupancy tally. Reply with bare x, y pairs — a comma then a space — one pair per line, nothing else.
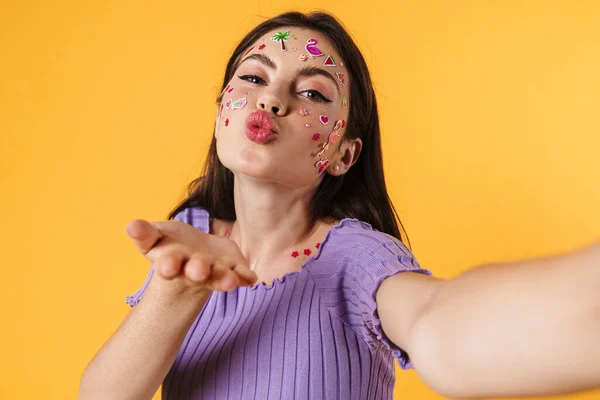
198, 218
364, 258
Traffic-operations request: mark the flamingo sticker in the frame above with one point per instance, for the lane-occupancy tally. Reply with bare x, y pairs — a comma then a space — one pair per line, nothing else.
311, 48
282, 37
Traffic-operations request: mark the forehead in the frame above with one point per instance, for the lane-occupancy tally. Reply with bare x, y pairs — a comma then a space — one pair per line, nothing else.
295, 41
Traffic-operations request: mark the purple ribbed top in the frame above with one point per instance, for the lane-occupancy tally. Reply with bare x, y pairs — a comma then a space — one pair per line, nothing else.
314, 334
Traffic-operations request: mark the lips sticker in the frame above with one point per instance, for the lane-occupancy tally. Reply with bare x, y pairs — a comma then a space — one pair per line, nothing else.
239, 104
324, 119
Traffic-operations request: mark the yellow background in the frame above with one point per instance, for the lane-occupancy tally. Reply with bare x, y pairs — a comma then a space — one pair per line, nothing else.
490, 125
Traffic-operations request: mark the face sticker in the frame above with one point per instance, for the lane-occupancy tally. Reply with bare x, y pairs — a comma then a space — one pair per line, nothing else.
228, 103
311, 48
316, 137
333, 136
282, 37
227, 122
239, 104
329, 61
294, 49
303, 112
324, 119
307, 125
249, 51
262, 46
321, 165
324, 148
229, 90
341, 78
344, 103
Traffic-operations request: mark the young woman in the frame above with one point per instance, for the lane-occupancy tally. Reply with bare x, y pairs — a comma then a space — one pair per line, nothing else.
284, 274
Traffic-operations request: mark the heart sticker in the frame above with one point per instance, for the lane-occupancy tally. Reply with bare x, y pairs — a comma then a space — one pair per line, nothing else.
324, 119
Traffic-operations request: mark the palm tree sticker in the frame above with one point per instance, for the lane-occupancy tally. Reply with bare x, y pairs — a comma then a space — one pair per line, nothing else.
282, 37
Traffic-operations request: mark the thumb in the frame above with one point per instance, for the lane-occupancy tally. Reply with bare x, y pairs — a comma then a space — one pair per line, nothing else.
144, 234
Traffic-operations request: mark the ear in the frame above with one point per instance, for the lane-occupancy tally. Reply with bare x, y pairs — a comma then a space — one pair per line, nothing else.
349, 151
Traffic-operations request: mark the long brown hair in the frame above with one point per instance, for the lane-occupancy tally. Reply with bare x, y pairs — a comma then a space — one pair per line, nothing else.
361, 192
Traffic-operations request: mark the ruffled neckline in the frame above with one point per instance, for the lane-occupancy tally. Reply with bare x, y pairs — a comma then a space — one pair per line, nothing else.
304, 268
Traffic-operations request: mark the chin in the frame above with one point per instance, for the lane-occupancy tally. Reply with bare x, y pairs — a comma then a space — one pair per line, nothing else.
254, 167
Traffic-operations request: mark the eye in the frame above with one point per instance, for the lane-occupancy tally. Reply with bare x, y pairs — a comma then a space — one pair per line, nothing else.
315, 96
257, 80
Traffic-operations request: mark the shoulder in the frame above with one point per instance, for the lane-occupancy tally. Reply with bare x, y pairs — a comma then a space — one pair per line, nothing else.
200, 218
361, 239
197, 217
353, 254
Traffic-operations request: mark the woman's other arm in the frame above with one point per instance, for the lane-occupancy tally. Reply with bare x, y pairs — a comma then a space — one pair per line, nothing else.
527, 328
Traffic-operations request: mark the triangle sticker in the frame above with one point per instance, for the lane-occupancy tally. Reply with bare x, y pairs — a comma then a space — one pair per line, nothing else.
329, 62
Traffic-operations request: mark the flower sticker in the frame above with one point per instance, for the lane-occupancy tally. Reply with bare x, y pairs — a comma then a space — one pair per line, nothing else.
321, 165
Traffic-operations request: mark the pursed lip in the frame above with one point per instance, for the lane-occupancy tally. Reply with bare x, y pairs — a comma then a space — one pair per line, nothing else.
260, 127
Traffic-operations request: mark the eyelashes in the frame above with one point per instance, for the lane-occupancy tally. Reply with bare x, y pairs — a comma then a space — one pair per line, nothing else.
311, 94
257, 80
316, 95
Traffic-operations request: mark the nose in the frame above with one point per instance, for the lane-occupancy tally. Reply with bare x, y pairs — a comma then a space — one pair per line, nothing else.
271, 103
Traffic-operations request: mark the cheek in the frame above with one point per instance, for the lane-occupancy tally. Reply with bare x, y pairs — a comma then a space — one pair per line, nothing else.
233, 104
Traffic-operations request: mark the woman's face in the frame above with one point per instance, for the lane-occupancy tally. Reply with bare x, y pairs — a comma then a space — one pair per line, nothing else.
283, 115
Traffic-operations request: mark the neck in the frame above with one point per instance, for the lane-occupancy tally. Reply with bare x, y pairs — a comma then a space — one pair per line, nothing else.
271, 219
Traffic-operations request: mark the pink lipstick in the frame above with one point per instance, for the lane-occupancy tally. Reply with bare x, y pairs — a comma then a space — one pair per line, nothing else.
260, 127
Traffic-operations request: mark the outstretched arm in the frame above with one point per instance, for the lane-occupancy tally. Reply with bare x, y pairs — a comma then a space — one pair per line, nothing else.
527, 328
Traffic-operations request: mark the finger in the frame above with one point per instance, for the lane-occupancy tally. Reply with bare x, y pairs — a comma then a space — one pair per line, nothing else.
171, 228
144, 235
224, 279
245, 273
197, 269
169, 265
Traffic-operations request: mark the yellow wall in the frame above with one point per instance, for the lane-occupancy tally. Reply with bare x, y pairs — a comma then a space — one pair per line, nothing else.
489, 115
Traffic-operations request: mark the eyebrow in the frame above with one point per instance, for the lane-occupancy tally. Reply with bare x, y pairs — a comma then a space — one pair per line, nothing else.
307, 70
